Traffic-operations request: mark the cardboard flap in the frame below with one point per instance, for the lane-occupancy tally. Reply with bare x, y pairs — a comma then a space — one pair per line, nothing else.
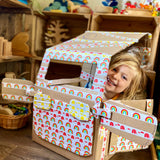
131, 123
15, 90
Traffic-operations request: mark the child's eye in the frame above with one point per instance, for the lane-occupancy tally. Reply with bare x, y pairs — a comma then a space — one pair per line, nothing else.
114, 69
124, 77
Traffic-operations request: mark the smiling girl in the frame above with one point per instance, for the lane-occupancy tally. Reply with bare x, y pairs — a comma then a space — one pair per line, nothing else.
125, 79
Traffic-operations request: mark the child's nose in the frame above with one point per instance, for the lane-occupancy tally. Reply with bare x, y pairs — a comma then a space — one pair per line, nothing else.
116, 76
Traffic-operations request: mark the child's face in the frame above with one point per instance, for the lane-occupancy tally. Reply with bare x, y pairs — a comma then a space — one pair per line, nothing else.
118, 79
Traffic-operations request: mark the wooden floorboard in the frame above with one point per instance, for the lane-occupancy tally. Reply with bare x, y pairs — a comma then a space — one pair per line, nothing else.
18, 145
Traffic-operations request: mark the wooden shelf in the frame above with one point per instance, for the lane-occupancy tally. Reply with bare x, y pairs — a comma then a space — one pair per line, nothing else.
12, 59
67, 14
13, 4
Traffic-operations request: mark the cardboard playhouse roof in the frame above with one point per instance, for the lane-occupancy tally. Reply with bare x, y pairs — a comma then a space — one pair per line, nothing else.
102, 42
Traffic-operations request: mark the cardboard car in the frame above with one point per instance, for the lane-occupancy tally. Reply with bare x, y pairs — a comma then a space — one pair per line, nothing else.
72, 120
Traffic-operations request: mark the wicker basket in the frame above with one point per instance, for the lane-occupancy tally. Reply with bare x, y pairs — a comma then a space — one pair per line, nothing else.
14, 121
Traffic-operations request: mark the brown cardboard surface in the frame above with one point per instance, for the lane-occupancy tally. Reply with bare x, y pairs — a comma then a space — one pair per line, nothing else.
65, 97
129, 121
119, 35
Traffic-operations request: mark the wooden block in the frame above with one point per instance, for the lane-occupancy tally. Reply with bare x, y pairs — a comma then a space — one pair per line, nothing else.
1, 46
20, 46
9, 48
5, 47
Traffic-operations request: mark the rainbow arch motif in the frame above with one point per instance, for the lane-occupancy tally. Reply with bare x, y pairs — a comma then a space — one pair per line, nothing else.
77, 152
47, 123
71, 92
80, 94
60, 103
5, 96
54, 134
70, 131
68, 124
8, 85
78, 134
124, 112
45, 117
63, 90
69, 140
86, 148
60, 122
76, 128
113, 108
85, 131
123, 148
13, 97
61, 137
86, 153
16, 86
40, 120
78, 144
87, 138
89, 96
20, 98
24, 87
136, 116
62, 128
149, 120
46, 131
54, 125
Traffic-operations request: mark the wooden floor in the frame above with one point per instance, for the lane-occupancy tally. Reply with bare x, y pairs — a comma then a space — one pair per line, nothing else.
18, 145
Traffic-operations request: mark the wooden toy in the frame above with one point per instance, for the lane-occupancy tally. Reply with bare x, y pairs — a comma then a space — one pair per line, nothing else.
19, 44
5, 47
55, 33
72, 6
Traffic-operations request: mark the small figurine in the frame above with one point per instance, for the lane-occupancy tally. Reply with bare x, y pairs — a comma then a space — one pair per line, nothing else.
110, 3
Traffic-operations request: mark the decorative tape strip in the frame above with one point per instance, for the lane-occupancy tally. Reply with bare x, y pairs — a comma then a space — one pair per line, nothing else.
114, 149
72, 55
86, 76
104, 133
73, 92
120, 43
149, 103
128, 129
95, 44
17, 97
18, 86
131, 113
101, 112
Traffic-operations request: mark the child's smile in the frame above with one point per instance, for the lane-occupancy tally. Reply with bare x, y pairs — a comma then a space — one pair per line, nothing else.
118, 79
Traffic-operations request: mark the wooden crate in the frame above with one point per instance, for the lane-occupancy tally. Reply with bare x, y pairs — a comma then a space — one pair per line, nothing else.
124, 23
76, 23
12, 25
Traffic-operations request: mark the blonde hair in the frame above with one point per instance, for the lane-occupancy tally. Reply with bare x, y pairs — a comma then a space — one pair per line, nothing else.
132, 59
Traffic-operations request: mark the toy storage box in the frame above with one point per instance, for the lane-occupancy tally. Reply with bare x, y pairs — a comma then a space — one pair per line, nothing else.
66, 118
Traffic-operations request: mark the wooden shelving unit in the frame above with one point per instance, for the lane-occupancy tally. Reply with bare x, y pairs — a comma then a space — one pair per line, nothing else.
14, 19
12, 59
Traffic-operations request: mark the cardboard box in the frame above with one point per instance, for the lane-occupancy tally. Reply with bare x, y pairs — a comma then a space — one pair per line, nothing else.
124, 23
72, 120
